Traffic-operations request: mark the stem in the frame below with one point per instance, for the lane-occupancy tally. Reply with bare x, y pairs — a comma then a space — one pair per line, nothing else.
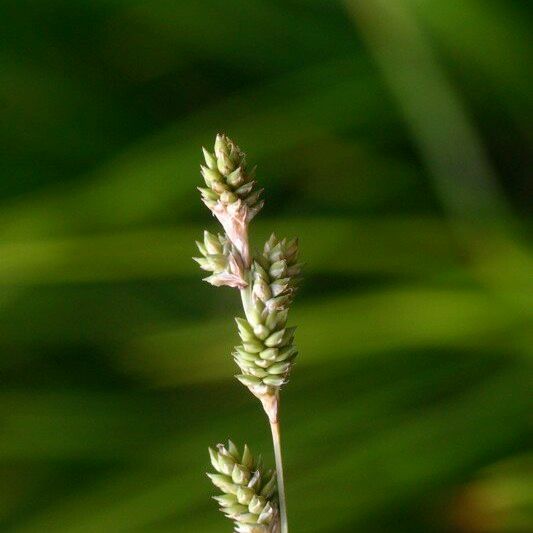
276, 440
246, 297
246, 293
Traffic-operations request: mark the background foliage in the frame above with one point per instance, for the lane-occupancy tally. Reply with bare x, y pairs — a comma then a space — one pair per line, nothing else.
392, 137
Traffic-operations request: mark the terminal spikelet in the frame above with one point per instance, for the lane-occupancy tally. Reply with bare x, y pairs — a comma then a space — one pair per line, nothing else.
231, 192
227, 178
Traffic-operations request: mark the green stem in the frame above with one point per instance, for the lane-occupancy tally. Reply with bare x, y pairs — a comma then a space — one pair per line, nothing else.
246, 297
276, 439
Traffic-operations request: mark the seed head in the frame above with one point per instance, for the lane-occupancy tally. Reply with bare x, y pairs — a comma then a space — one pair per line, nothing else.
249, 491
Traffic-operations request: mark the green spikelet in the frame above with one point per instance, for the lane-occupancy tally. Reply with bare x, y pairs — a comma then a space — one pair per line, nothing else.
249, 491
220, 258
267, 353
227, 178
276, 273
215, 250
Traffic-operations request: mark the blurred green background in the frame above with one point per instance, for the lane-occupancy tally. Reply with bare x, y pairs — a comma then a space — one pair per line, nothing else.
391, 136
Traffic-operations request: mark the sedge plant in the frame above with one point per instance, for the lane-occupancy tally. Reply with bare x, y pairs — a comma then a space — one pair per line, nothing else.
254, 498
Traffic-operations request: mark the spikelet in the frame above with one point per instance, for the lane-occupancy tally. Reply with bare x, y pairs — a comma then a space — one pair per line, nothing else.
248, 489
227, 179
276, 273
230, 192
220, 257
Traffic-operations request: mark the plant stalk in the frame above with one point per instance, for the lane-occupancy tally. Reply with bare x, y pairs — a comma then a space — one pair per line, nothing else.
276, 440
246, 297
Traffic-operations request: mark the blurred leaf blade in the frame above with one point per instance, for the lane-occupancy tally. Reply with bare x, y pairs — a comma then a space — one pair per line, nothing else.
389, 147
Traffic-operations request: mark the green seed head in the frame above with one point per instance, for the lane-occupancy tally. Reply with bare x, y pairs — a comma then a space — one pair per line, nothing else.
227, 179
248, 493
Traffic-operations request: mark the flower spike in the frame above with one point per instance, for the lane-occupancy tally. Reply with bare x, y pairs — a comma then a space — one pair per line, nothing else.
267, 282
